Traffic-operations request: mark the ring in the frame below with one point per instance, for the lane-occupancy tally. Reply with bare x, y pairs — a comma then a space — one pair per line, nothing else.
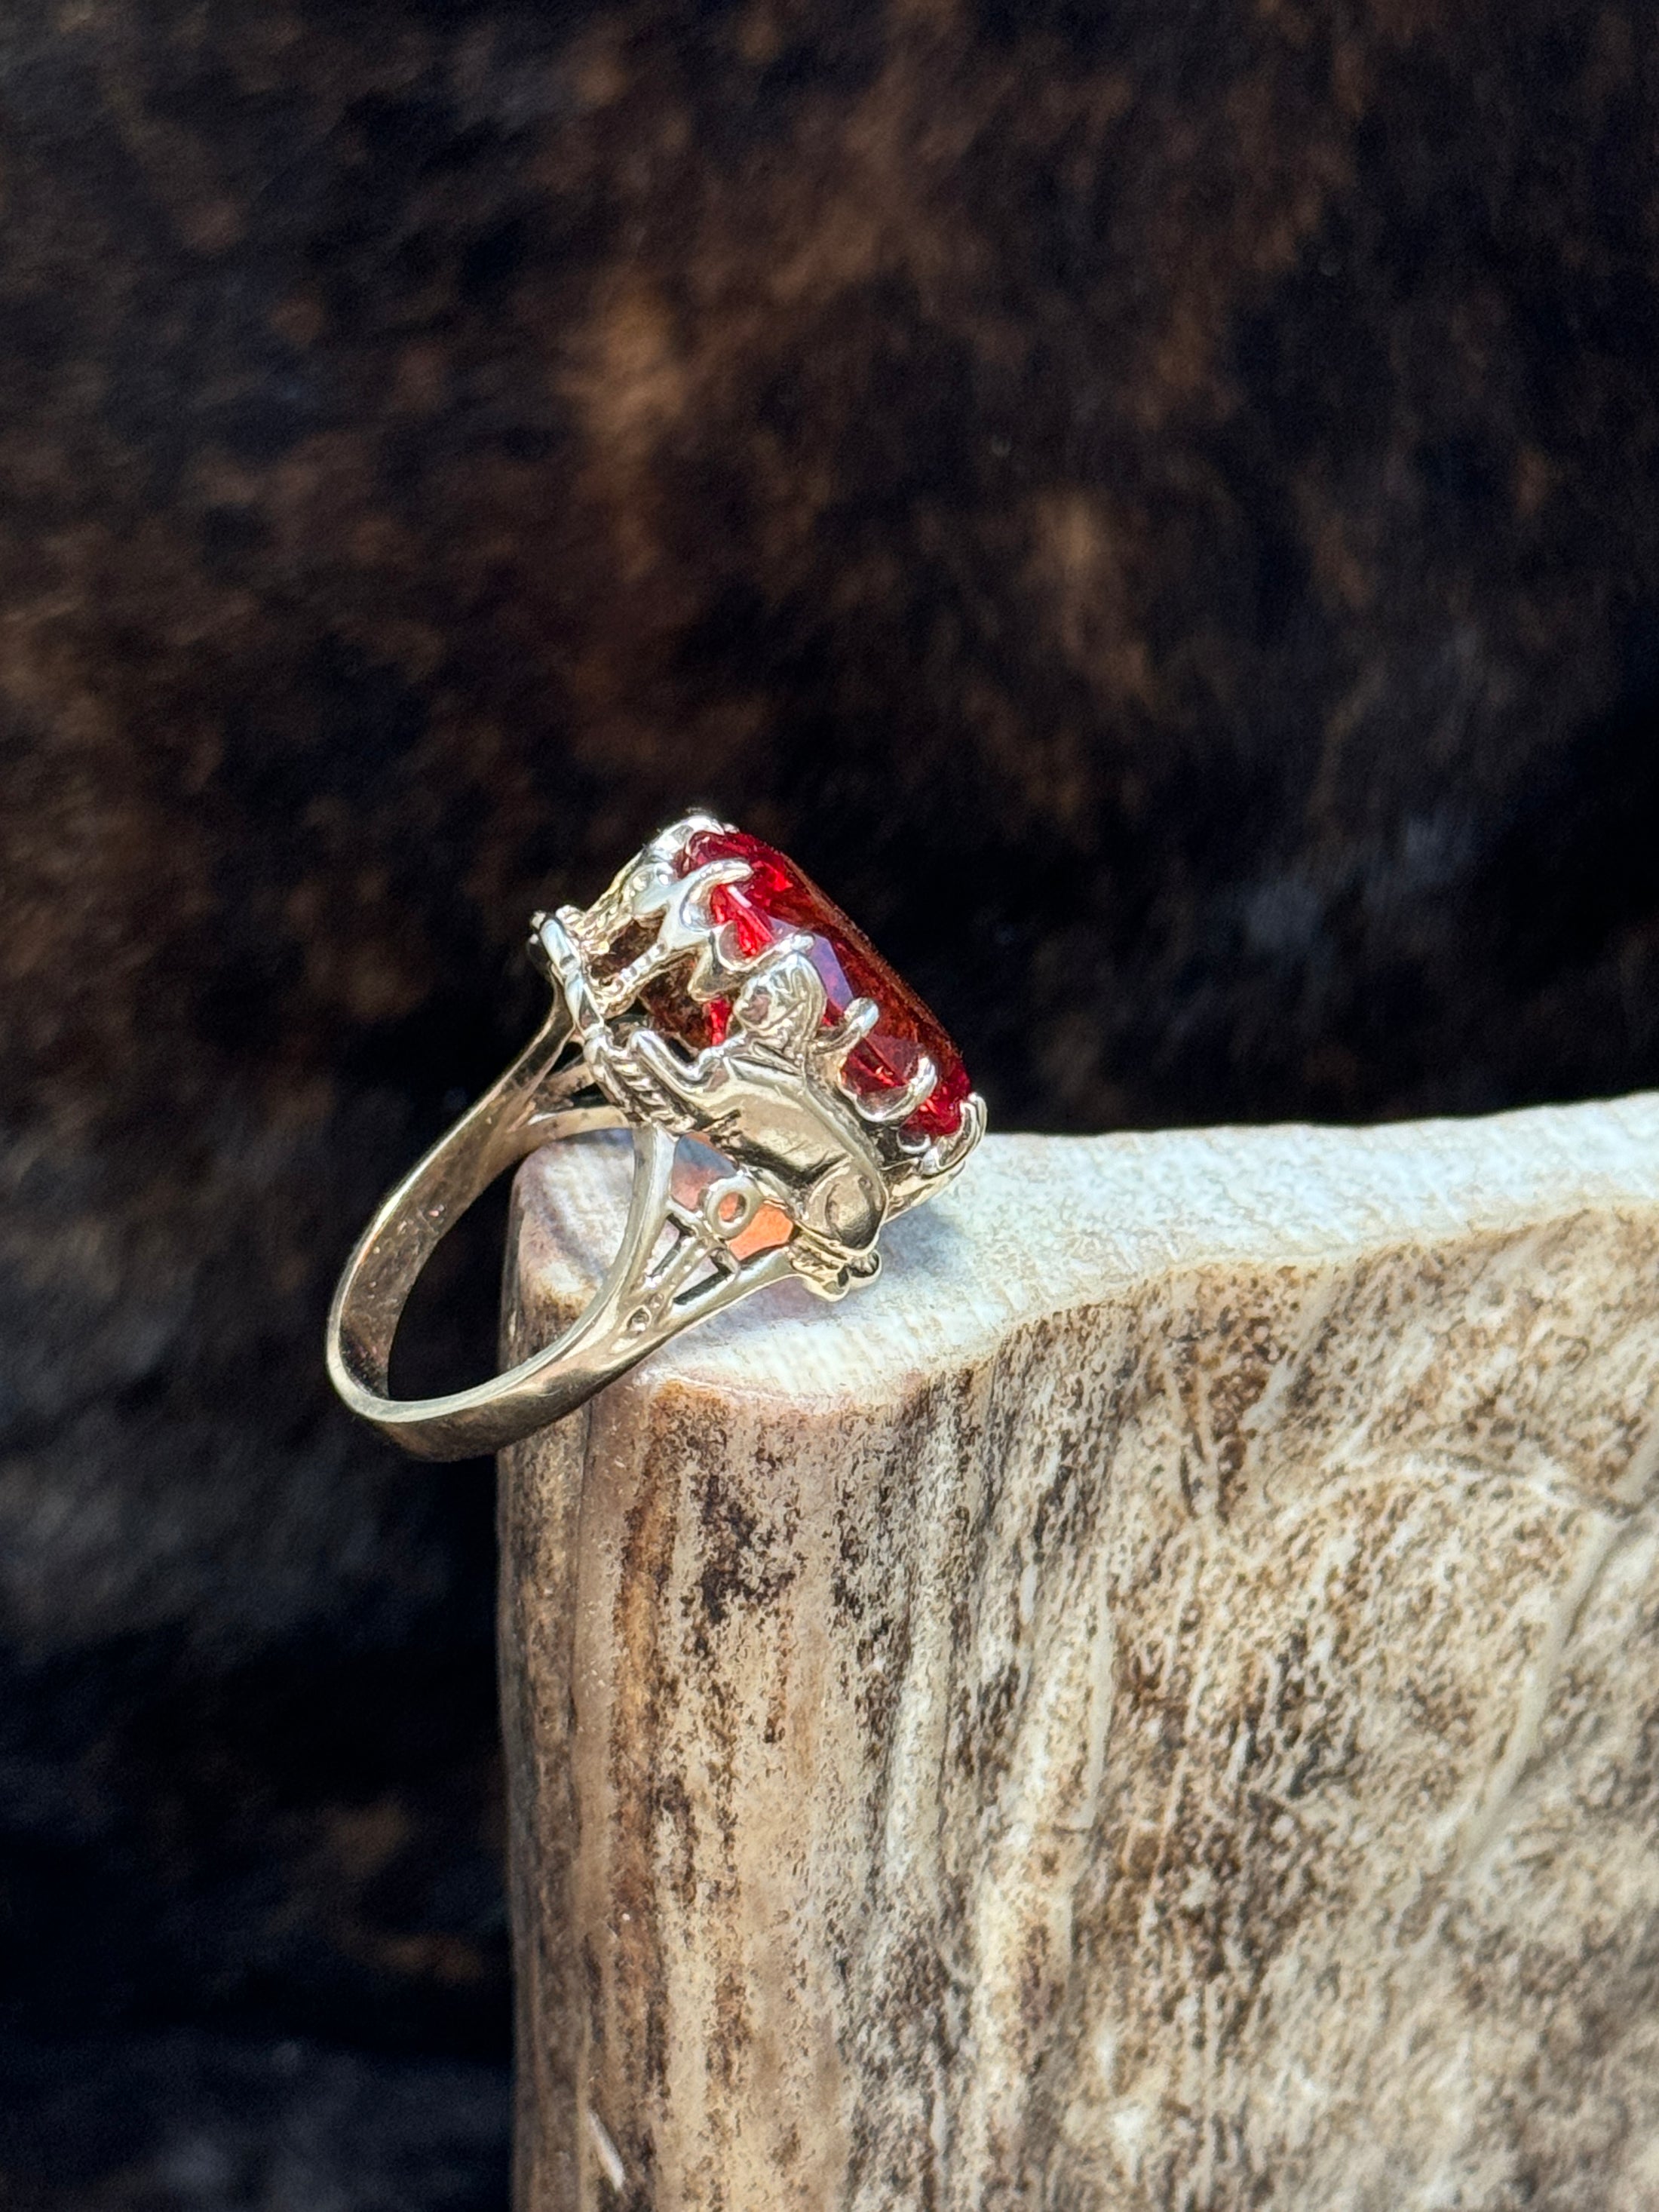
714, 996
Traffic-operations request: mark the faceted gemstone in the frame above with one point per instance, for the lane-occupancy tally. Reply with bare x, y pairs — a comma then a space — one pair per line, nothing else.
776, 899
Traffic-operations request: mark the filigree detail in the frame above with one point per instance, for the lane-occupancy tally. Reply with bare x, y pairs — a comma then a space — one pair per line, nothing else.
771, 1095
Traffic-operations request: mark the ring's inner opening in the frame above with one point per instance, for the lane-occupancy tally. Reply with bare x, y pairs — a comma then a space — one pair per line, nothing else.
447, 1335
578, 1189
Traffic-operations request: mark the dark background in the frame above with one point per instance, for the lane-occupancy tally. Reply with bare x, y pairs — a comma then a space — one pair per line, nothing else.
1153, 501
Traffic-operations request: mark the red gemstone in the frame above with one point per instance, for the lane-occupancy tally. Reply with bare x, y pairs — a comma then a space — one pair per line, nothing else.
778, 897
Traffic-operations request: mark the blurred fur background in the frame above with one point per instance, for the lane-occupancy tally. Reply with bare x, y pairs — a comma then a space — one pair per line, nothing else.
1152, 501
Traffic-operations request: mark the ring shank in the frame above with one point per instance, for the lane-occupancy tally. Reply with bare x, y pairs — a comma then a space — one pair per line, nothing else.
532, 1104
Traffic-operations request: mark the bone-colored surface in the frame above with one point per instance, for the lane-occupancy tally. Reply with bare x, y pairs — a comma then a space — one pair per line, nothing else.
1155, 1702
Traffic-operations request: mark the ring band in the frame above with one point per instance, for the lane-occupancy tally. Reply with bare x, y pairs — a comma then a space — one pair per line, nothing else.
712, 994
